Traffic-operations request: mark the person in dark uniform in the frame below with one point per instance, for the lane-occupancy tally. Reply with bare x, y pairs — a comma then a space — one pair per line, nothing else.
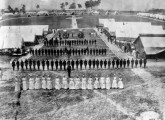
79, 52
77, 63
81, 64
39, 52
89, 63
95, 41
13, 65
22, 65
109, 64
38, 64
113, 63
94, 51
52, 64
105, 51
30, 64
97, 63
102, 51
64, 64
136, 63
47, 64
76, 52
121, 63
46, 52
124, 63
82, 52
36, 52
42, 52
56, 63
54, 52
33, 52
72, 64
68, 62
145, 62
140, 62
117, 63
94, 63
132, 62
60, 63
73, 51
34, 64
69, 71
90, 51
85, 63
43, 64
26, 64
85, 52
128, 62
58, 52
101, 64
105, 63
97, 51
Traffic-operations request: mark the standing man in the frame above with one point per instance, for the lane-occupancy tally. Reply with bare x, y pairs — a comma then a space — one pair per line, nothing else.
64, 64
22, 65
117, 63
26, 64
43, 64
34, 64
52, 64
105, 63
89, 63
30, 64
145, 62
136, 63
124, 63
69, 71
109, 64
56, 63
140, 62
72, 63
47, 63
13, 65
97, 63
128, 62
81, 64
113, 63
132, 62
77, 63
121, 63
60, 63
17, 63
85, 63
101, 63
38, 64
94, 63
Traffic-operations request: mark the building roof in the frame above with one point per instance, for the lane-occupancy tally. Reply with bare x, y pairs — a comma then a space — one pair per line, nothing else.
153, 45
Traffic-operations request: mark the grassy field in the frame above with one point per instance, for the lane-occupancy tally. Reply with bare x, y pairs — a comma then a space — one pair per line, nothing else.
86, 21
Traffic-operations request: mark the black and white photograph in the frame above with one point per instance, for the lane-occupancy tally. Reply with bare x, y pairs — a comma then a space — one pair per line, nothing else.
82, 59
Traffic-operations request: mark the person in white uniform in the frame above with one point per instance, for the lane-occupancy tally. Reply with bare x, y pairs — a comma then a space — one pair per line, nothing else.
49, 83
77, 83
64, 83
114, 83
31, 83
57, 83
102, 82
108, 82
37, 83
96, 83
120, 83
25, 83
44, 83
90, 86
71, 84
84, 83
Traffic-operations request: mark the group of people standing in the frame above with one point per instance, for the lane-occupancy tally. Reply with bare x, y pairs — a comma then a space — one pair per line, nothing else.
46, 82
57, 42
78, 64
65, 51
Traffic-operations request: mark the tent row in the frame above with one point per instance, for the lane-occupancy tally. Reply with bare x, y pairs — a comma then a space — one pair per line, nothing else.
15, 36
156, 16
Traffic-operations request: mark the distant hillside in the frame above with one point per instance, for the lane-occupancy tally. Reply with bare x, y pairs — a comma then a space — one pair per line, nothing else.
157, 11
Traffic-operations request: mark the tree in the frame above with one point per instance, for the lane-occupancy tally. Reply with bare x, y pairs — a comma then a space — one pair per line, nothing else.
37, 6
72, 6
66, 3
91, 3
79, 5
10, 9
24, 9
62, 6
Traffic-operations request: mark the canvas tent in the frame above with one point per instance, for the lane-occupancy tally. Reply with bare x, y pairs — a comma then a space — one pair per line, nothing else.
153, 46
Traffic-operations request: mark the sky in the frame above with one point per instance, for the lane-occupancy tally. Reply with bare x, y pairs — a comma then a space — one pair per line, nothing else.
105, 4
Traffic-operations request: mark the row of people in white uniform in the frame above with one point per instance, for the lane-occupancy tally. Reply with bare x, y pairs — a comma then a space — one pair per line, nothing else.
70, 83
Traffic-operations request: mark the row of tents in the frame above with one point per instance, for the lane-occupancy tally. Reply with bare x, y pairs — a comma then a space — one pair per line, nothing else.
140, 36
156, 16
